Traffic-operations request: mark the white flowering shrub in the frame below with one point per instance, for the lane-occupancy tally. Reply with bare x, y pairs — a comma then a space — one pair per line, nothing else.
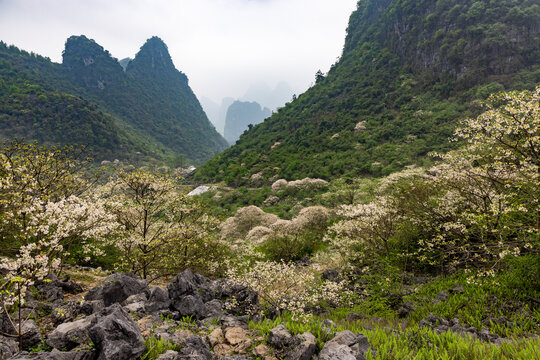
244, 220
293, 239
302, 187
279, 185
162, 231
480, 204
286, 287
307, 184
360, 126
281, 225
258, 234
44, 208
311, 218
366, 229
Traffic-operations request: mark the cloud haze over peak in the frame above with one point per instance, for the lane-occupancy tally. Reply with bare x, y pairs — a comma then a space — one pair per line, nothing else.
223, 46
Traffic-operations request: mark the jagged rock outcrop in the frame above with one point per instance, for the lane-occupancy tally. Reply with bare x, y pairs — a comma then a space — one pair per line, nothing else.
70, 334
55, 355
345, 346
8, 347
193, 295
31, 333
117, 288
305, 349
189, 315
115, 335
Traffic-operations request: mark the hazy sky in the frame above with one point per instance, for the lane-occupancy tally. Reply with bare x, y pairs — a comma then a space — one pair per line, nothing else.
223, 46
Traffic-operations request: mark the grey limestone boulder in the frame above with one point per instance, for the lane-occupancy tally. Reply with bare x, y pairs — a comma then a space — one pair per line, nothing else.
345, 338
234, 321
357, 343
55, 355
49, 289
335, 351
279, 337
194, 348
65, 312
213, 308
115, 335
31, 333
116, 288
183, 284
169, 355
91, 307
157, 300
188, 291
8, 347
70, 334
190, 305
304, 350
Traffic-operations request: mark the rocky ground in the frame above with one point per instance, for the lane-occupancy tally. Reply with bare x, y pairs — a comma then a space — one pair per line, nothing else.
123, 317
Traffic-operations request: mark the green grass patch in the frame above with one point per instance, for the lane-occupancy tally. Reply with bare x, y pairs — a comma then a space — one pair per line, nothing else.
156, 347
411, 342
481, 300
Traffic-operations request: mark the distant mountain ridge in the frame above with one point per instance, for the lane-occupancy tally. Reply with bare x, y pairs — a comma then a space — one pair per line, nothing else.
216, 112
266, 96
410, 69
240, 116
150, 102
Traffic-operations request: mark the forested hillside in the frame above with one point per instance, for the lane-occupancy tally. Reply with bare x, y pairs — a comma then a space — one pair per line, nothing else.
31, 109
409, 70
148, 110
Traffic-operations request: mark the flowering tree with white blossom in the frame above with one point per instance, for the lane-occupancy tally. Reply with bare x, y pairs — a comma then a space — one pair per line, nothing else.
162, 230
480, 204
287, 287
44, 208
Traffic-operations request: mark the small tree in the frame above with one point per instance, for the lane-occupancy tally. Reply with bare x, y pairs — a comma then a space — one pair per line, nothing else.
503, 143
33, 175
319, 76
44, 208
160, 225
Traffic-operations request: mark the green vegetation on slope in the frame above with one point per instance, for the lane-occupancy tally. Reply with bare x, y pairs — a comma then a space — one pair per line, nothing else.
35, 112
409, 71
427, 263
151, 97
151, 110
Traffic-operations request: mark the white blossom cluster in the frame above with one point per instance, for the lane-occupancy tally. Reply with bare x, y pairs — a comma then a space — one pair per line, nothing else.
286, 287
479, 205
303, 184
366, 228
244, 220
43, 207
312, 218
